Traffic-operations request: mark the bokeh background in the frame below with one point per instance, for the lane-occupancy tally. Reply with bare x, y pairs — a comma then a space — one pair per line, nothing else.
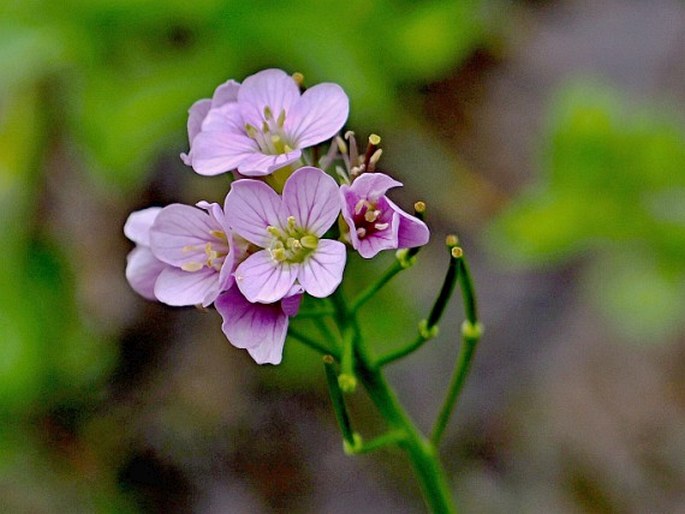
549, 135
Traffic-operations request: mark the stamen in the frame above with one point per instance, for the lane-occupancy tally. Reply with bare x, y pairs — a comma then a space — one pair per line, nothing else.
359, 206
376, 156
192, 266
291, 222
278, 254
274, 231
342, 146
251, 130
309, 241
268, 114
265, 127
287, 149
381, 226
361, 232
371, 216
281, 118
219, 234
375, 139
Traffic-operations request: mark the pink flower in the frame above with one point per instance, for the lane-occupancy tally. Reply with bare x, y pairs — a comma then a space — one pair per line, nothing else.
262, 124
375, 222
142, 267
289, 229
259, 328
183, 255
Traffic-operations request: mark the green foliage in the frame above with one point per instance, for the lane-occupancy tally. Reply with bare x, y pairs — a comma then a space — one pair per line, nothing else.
613, 185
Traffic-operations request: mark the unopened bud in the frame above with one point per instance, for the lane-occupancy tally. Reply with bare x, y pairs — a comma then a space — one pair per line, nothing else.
457, 252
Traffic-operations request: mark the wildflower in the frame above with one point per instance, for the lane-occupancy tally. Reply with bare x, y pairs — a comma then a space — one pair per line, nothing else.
196, 247
259, 328
375, 222
142, 267
289, 230
263, 124
225, 93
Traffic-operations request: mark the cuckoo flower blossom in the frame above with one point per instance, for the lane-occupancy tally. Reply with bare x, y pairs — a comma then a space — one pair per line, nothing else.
259, 328
288, 228
142, 267
262, 124
375, 222
195, 245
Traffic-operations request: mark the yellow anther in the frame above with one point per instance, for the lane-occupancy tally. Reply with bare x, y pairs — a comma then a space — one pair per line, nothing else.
192, 266
376, 156
273, 231
275, 139
268, 114
451, 240
361, 232
342, 146
219, 234
281, 118
251, 130
278, 254
381, 226
420, 207
359, 206
298, 78
371, 215
457, 252
287, 149
375, 139
309, 241
291, 222
265, 127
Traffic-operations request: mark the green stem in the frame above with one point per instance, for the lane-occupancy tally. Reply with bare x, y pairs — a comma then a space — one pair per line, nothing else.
389, 438
370, 291
338, 402
315, 313
428, 328
312, 343
471, 331
422, 453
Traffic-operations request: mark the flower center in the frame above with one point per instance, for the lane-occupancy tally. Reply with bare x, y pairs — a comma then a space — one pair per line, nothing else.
271, 139
368, 218
215, 250
292, 244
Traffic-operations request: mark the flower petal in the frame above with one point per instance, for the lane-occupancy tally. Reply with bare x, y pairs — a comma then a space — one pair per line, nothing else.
251, 206
412, 231
137, 226
179, 288
321, 274
196, 115
311, 196
261, 328
318, 115
259, 164
386, 239
373, 185
216, 152
180, 233
273, 88
291, 304
264, 280
142, 270
226, 118
225, 93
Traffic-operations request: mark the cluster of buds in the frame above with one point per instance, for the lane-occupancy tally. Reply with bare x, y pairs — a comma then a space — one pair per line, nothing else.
277, 235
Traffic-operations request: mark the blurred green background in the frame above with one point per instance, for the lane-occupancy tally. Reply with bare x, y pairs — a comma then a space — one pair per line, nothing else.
549, 135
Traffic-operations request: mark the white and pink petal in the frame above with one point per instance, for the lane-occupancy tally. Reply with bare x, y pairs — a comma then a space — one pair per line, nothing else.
263, 279
312, 197
322, 272
317, 115
252, 206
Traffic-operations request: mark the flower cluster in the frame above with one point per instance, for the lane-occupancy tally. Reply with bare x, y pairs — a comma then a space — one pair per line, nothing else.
256, 256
